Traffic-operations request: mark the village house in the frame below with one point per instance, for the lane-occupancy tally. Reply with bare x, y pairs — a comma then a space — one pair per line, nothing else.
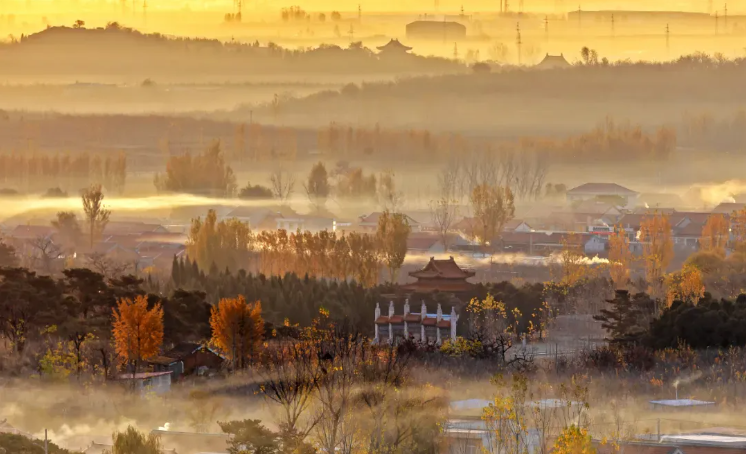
545, 243
728, 208
369, 222
608, 192
420, 327
147, 382
432, 243
468, 227
187, 359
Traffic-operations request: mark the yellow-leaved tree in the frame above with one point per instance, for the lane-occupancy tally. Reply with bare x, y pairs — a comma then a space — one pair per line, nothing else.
686, 285
657, 250
574, 440
137, 330
620, 258
715, 235
237, 329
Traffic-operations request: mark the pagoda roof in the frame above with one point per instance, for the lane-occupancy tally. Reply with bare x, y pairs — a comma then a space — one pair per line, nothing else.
394, 44
442, 269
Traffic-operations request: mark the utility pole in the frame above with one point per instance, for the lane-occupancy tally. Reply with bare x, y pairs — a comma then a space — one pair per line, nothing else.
579, 22
717, 26
518, 41
145, 11
46, 442
725, 19
546, 29
455, 51
668, 33
613, 31
359, 14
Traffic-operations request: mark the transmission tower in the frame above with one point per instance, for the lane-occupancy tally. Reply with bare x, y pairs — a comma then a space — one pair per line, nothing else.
580, 11
725, 18
668, 35
613, 23
145, 11
518, 41
546, 29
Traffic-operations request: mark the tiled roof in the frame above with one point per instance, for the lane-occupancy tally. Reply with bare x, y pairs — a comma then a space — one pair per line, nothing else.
396, 319
601, 188
728, 208
182, 350
444, 324
31, 231
446, 269
429, 321
382, 320
412, 318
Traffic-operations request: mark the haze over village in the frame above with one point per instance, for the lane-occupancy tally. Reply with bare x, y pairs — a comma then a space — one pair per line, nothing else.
429, 227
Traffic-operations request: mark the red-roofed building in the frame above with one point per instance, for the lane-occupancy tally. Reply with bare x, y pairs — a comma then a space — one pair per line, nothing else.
420, 327
441, 275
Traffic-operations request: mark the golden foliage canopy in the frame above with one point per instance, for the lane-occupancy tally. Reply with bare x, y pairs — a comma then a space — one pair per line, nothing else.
237, 329
715, 235
137, 330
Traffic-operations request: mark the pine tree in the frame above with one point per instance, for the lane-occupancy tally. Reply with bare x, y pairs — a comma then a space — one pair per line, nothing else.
623, 321
176, 272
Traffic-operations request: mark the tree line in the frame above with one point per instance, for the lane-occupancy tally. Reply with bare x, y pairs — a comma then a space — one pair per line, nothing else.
605, 142
40, 171
231, 244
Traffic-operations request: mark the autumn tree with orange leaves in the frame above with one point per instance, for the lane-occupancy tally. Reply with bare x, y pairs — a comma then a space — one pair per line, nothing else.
620, 258
657, 250
715, 235
137, 330
237, 329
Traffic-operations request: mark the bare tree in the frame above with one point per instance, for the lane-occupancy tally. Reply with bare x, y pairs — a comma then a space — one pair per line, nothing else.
46, 252
389, 198
445, 209
97, 216
106, 266
283, 184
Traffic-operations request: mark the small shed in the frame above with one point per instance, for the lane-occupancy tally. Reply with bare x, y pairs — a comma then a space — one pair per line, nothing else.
681, 405
147, 382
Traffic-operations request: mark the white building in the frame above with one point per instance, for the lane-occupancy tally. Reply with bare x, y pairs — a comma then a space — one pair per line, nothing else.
421, 327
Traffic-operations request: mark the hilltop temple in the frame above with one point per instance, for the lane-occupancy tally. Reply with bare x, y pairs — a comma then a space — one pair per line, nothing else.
393, 48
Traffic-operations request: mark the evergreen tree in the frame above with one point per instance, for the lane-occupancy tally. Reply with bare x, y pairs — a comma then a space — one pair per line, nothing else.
176, 272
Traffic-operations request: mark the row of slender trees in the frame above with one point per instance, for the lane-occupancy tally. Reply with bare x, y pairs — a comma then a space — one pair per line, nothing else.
39, 171
230, 244
606, 142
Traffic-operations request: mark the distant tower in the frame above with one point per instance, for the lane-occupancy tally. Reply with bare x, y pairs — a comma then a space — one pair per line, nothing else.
613, 31
133, 7
725, 18
579, 14
546, 29
520, 6
145, 11
717, 26
359, 13
455, 51
518, 41
352, 33
668, 34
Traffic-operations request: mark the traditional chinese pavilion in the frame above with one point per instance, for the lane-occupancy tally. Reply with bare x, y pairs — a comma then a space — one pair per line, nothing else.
394, 47
442, 276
